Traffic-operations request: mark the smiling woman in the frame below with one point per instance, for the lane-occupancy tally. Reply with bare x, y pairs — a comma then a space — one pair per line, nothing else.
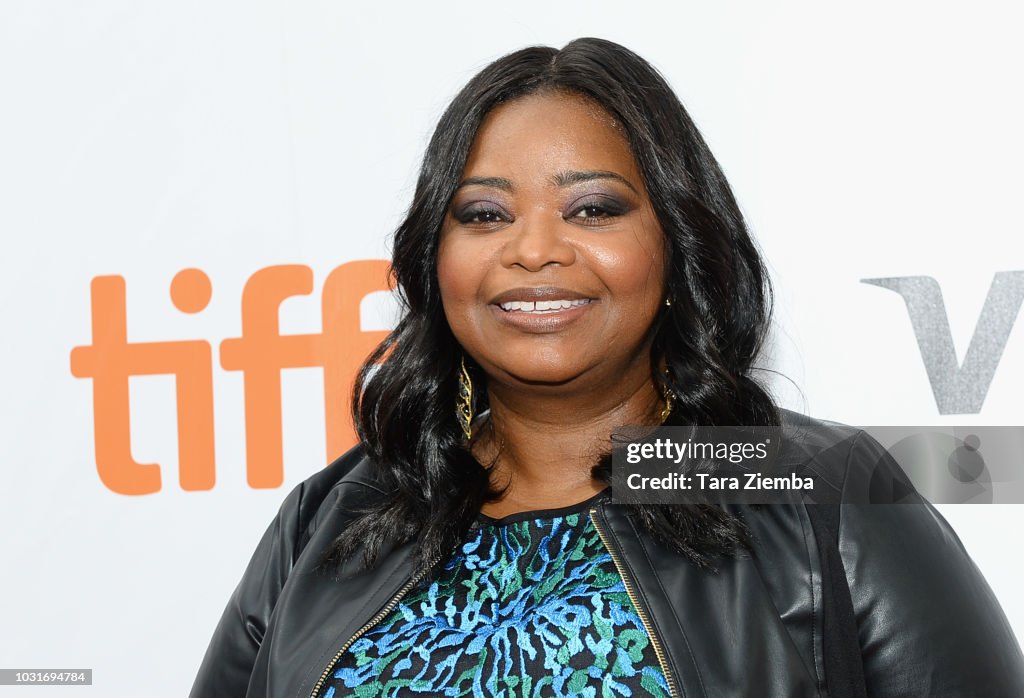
571, 220
551, 268
573, 261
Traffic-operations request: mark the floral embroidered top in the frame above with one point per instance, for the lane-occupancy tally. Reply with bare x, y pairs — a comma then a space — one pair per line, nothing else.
532, 604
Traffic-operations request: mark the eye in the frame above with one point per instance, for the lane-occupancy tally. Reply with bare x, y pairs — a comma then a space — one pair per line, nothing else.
596, 212
487, 216
591, 211
481, 216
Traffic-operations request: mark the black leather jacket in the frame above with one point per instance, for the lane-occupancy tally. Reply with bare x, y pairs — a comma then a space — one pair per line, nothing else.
848, 600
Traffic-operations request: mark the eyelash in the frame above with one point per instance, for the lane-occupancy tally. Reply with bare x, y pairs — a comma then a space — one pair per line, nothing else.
469, 216
606, 209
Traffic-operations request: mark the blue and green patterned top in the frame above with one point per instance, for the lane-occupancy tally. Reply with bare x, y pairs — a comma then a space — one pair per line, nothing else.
530, 605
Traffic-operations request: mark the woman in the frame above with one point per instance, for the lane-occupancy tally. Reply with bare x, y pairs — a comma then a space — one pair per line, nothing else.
574, 260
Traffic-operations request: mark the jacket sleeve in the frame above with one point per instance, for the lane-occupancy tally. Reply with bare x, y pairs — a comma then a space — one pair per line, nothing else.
229, 659
928, 623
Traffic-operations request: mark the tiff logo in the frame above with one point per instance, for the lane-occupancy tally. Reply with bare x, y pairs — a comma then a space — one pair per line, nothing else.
260, 354
959, 387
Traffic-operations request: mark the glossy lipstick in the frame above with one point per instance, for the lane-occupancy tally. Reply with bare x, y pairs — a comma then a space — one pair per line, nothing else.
540, 309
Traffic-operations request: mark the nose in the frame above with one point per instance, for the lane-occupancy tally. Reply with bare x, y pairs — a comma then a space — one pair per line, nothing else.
539, 239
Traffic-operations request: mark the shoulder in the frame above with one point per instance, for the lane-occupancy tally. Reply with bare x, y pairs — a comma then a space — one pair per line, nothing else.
354, 468
245, 623
350, 479
902, 561
848, 463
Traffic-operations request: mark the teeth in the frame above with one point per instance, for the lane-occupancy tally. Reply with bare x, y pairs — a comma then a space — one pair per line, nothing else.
543, 306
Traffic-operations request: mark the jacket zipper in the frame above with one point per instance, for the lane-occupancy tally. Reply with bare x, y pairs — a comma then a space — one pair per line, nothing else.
387, 608
640, 609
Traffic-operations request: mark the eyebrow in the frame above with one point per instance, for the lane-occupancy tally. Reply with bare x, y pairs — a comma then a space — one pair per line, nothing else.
562, 179
495, 182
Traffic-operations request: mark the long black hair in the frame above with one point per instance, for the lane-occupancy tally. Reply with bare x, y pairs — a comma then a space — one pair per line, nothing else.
404, 398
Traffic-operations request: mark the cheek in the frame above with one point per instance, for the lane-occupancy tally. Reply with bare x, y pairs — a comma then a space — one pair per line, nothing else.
451, 271
632, 268
459, 276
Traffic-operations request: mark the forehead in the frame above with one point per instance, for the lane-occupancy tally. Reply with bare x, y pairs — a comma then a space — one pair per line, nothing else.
548, 132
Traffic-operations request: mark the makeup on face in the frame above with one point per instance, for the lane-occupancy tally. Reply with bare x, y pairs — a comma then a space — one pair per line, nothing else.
590, 198
550, 254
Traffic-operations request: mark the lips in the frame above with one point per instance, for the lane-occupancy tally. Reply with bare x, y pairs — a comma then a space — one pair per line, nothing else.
540, 309
536, 294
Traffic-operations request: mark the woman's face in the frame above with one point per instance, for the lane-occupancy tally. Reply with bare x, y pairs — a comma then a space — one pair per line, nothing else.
551, 260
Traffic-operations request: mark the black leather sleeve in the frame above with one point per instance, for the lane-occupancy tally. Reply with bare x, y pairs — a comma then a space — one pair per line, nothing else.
225, 669
928, 623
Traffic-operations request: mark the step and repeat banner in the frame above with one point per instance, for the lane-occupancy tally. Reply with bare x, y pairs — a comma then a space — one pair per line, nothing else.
196, 203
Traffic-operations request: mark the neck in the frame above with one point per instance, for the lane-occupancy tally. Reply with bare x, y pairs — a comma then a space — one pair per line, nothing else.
544, 440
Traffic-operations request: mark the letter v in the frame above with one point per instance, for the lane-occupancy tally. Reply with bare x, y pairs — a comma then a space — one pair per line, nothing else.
959, 388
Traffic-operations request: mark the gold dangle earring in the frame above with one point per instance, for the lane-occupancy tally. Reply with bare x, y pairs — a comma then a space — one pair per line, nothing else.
464, 401
670, 399
669, 402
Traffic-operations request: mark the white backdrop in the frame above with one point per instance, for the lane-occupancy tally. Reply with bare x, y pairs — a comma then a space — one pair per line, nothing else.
138, 139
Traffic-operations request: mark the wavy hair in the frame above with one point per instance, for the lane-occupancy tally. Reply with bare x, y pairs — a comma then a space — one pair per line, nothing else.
404, 396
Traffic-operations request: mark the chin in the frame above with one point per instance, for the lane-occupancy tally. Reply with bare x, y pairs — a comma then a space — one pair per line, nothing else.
533, 374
